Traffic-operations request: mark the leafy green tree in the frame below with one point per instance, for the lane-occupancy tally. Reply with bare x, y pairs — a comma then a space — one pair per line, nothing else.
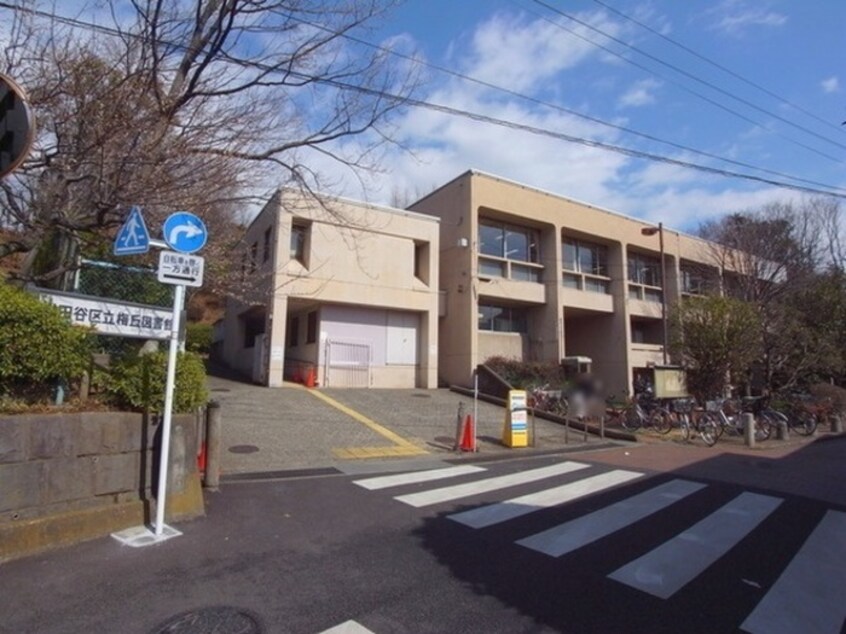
38, 345
717, 340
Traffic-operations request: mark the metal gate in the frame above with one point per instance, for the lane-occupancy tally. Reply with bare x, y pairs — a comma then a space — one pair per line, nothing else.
347, 364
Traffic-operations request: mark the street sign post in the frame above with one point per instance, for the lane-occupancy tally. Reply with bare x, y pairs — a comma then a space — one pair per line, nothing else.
185, 232
133, 237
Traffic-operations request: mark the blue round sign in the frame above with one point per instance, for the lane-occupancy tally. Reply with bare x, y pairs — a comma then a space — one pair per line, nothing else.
184, 232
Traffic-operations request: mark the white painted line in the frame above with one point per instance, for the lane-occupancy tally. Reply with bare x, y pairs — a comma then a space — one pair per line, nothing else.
434, 496
502, 511
668, 568
383, 482
572, 535
810, 595
348, 627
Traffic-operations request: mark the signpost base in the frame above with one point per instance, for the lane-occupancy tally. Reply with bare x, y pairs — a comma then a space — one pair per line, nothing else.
140, 536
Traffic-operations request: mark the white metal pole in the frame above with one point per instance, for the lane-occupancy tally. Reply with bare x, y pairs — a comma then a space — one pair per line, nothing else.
475, 407
178, 300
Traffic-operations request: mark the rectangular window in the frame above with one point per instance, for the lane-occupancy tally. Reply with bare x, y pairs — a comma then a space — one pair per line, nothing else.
583, 259
693, 282
298, 242
294, 333
266, 247
253, 256
510, 242
572, 281
525, 273
311, 327
502, 319
644, 270
487, 268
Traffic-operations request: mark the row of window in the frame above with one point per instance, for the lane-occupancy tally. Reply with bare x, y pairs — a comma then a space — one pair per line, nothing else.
585, 264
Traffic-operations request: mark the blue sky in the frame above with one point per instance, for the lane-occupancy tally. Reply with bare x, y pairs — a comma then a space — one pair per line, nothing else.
534, 49
794, 50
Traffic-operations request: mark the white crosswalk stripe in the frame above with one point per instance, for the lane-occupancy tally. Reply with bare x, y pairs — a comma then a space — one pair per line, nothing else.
671, 566
584, 530
516, 507
810, 595
347, 627
458, 491
415, 477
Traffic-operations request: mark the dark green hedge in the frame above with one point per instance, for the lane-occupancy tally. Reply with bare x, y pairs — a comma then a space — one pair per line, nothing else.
138, 382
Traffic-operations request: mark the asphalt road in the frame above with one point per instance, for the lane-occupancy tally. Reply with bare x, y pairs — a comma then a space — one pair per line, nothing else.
476, 550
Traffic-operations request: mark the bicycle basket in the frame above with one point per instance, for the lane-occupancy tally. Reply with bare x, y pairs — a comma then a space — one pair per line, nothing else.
682, 405
712, 406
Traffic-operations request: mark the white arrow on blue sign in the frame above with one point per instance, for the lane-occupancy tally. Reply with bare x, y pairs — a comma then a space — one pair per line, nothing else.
185, 232
133, 237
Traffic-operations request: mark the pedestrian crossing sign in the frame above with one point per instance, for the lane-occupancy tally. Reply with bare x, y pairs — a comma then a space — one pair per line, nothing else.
133, 237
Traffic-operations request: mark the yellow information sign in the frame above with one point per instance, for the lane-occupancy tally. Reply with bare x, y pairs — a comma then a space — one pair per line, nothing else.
515, 433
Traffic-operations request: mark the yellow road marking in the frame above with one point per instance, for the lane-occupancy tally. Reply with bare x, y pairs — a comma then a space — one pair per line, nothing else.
403, 447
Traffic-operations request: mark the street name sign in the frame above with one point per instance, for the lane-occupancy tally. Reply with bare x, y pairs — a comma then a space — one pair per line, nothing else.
133, 237
185, 232
180, 268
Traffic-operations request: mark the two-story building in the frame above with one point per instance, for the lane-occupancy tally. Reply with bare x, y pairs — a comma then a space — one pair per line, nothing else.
536, 276
337, 292
349, 294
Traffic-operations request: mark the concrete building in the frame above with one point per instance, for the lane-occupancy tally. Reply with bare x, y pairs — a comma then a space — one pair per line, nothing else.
337, 292
535, 276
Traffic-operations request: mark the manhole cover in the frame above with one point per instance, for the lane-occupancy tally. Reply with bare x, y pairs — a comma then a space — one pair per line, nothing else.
422, 395
220, 389
220, 620
243, 449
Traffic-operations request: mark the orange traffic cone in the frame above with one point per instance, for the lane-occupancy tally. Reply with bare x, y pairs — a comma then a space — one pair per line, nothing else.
310, 379
468, 435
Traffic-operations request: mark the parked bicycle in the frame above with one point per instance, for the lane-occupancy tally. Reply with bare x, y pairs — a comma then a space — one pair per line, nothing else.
552, 401
803, 412
643, 410
726, 414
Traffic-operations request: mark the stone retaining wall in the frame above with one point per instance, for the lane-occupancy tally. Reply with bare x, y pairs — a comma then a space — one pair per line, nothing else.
69, 477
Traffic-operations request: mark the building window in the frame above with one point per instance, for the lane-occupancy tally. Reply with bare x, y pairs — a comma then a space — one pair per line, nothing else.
421, 261
586, 266
294, 332
694, 282
311, 327
298, 242
644, 278
644, 270
508, 241
503, 319
266, 248
509, 251
253, 256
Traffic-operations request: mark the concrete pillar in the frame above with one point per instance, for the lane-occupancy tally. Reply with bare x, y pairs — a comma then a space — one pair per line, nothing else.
749, 429
837, 424
213, 437
782, 433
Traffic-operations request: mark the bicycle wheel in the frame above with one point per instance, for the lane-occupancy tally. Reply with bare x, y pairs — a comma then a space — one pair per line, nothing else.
661, 420
765, 422
708, 428
685, 426
803, 422
630, 418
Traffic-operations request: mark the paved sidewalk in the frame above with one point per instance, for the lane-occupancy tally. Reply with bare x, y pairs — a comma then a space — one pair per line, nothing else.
291, 428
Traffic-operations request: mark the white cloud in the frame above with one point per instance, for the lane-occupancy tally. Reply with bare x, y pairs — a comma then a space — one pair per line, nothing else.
641, 93
830, 85
734, 17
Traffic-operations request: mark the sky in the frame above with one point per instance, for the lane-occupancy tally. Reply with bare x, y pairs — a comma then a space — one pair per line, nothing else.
762, 82
758, 82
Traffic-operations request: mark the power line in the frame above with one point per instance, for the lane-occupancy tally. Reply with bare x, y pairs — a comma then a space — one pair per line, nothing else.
547, 104
723, 68
689, 75
464, 113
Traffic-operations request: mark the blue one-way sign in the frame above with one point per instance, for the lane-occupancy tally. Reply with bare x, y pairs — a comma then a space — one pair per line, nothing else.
133, 237
185, 232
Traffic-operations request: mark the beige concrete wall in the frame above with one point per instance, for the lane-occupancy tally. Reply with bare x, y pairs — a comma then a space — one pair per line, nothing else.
355, 254
473, 195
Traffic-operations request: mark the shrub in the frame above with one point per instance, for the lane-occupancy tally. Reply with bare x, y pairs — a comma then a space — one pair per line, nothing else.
38, 345
138, 382
198, 338
528, 374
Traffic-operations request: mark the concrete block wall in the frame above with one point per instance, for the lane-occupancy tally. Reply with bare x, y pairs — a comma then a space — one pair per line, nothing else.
90, 472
